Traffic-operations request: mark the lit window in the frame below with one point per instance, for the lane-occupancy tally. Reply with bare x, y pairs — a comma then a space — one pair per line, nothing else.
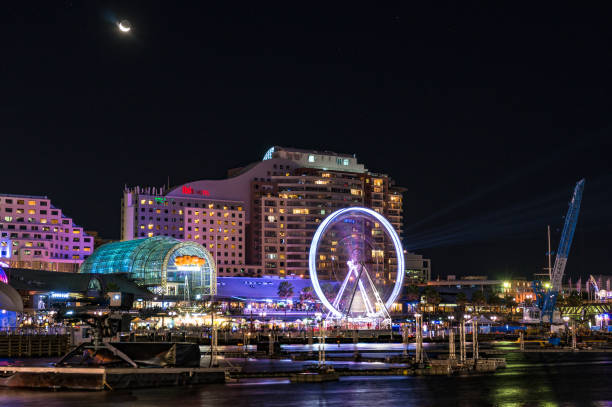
346, 161
150, 202
32, 203
311, 158
32, 211
150, 226
143, 201
150, 234
76, 231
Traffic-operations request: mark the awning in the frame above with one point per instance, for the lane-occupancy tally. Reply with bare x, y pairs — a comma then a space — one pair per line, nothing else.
10, 299
482, 320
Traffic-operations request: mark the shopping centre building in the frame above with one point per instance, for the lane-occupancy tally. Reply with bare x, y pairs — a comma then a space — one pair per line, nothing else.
181, 270
261, 219
35, 234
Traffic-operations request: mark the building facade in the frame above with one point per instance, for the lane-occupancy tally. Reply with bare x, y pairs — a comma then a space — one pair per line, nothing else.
186, 214
261, 219
40, 236
182, 270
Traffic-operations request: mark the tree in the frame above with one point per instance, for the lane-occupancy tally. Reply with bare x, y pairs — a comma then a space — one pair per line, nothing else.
432, 296
573, 300
285, 290
461, 299
494, 300
509, 301
412, 293
307, 294
328, 290
478, 298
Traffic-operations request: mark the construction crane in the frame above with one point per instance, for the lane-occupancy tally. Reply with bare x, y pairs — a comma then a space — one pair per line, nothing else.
547, 296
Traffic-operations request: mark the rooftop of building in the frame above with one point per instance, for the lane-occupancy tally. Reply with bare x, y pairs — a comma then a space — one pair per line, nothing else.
24, 196
53, 281
306, 151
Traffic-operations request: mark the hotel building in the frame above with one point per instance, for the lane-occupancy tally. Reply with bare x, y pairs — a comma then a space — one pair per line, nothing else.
37, 235
261, 219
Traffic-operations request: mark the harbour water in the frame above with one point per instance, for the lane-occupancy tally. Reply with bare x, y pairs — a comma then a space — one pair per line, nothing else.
531, 379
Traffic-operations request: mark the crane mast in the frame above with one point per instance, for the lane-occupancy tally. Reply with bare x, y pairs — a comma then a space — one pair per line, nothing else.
566, 237
548, 299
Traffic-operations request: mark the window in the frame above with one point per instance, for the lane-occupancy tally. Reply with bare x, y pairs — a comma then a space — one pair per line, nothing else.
311, 158
346, 161
32, 203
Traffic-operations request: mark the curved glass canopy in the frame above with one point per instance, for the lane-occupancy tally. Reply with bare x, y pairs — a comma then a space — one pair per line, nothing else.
163, 264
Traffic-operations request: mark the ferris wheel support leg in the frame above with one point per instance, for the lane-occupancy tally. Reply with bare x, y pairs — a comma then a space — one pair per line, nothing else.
379, 301
369, 309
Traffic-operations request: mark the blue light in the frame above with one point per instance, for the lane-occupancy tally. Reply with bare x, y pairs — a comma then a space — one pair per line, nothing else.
268, 154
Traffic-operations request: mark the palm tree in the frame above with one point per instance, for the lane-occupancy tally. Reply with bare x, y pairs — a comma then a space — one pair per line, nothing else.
307, 294
328, 290
412, 293
285, 290
432, 296
478, 298
461, 299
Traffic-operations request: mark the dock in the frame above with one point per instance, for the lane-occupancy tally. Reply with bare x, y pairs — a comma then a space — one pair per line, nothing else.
103, 378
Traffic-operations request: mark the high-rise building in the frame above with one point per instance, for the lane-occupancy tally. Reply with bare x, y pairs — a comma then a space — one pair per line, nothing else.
40, 235
261, 219
188, 214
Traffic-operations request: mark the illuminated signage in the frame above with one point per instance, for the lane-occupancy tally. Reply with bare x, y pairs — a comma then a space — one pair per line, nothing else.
190, 191
160, 200
60, 295
189, 261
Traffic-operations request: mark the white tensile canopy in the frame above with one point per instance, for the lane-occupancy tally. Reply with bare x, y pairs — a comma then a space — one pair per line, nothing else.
10, 300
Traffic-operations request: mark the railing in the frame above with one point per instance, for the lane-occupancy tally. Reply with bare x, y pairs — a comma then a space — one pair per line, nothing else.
37, 345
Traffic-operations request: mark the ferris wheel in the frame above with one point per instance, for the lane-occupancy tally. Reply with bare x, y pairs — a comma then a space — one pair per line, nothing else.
356, 264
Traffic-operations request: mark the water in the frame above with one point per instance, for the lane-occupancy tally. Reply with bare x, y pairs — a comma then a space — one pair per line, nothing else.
529, 380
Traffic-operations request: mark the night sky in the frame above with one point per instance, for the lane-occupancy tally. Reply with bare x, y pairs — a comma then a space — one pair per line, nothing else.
487, 115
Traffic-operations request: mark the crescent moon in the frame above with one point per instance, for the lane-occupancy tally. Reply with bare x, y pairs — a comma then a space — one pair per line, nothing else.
124, 28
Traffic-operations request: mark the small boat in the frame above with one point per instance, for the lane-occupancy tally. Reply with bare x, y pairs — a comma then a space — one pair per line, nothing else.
319, 375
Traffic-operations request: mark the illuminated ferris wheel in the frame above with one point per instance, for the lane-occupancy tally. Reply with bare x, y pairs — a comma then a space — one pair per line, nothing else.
356, 264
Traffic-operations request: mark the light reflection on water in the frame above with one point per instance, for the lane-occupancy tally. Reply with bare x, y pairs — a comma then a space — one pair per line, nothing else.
529, 379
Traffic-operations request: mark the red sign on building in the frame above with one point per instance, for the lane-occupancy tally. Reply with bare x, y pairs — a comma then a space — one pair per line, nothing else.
190, 191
